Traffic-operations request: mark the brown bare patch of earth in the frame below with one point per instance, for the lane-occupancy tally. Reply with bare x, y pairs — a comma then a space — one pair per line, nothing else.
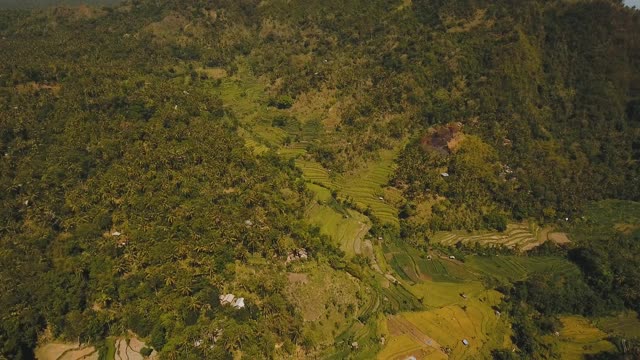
52, 351
559, 238
298, 278
66, 351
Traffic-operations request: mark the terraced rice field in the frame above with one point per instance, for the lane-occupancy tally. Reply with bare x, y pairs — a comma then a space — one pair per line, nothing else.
315, 173
402, 347
626, 324
66, 351
444, 270
475, 320
365, 186
251, 142
518, 236
513, 268
364, 335
439, 294
578, 337
293, 151
414, 266
347, 232
243, 92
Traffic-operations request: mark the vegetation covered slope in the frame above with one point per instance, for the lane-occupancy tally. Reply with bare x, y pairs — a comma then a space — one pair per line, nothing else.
158, 154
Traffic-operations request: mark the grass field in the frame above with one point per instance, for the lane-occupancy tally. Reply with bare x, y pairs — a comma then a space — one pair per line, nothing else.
518, 236
578, 337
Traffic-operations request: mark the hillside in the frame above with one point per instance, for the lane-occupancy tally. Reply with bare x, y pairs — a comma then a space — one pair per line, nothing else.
320, 179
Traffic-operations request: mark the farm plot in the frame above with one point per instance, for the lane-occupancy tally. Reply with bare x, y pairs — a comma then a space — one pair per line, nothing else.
475, 321
513, 268
518, 236
346, 228
364, 187
439, 294
626, 324
578, 337
415, 266
66, 351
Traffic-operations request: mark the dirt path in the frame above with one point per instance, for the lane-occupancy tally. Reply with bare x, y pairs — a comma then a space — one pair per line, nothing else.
559, 238
399, 326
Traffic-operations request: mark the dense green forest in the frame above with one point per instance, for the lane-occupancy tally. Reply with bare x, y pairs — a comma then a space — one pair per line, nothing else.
151, 159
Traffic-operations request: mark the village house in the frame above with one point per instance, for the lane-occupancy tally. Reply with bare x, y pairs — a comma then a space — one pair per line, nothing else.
230, 299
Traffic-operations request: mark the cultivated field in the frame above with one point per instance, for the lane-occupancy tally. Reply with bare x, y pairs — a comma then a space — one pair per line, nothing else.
626, 324
442, 330
365, 187
518, 236
66, 351
512, 268
578, 337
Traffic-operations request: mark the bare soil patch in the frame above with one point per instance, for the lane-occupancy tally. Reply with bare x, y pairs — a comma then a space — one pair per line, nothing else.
87, 353
53, 351
66, 351
298, 278
559, 238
